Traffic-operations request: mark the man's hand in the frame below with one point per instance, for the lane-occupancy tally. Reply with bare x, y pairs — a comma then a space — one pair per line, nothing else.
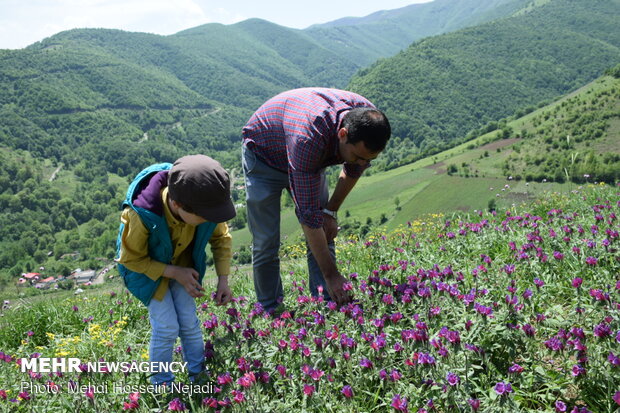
333, 279
223, 294
187, 277
335, 288
330, 226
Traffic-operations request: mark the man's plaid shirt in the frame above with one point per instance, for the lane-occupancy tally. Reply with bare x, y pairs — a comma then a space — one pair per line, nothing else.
297, 132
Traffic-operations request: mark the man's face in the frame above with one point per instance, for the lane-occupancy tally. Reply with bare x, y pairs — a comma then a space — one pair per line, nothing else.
356, 153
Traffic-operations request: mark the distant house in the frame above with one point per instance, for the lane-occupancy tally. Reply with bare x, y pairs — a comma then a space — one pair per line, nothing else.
31, 275
45, 283
83, 277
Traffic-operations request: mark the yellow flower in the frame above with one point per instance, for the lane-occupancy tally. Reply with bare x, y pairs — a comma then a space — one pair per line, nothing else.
50, 335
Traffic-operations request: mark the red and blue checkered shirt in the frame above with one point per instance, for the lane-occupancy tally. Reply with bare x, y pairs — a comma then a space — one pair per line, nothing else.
297, 132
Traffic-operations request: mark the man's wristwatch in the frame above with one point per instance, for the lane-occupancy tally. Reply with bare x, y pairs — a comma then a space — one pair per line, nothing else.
332, 214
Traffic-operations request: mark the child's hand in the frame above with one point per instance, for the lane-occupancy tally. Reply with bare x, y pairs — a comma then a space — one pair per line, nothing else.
187, 277
223, 294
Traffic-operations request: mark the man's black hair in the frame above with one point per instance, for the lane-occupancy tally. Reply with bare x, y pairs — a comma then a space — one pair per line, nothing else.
368, 125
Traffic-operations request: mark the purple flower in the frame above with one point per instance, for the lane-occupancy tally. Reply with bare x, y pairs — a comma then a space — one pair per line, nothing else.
347, 391
591, 261
425, 358
177, 405
90, 393
502, 388
602, 330
474, 403
224, 379
529, 330
616, 397
366, 363
554, 344
388, 299
509, 269
281, 369
578, 370
238, 396
452, 379
383, 374
247, 380
515, 368
316, 374
399, 403
394, 375
560, 406
207, 401
309, 390
484, 310
577, 281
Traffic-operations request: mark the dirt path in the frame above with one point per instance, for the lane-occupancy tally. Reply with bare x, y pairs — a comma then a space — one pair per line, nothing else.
55, 173
99, 277
499, 144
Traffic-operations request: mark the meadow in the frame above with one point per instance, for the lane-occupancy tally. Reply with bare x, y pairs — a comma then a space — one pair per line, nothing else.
511, 310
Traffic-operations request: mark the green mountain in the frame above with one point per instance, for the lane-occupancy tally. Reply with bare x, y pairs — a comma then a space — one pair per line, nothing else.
120, 100
85, 92
386, 32
441, 88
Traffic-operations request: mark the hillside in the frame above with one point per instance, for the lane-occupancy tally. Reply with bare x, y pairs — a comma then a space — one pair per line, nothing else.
387, 32
80, 94
442, 87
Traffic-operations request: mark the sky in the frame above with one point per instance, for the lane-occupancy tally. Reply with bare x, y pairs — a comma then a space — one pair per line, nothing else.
23, 22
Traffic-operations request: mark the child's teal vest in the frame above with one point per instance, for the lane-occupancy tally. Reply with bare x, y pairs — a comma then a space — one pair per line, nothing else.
160, 243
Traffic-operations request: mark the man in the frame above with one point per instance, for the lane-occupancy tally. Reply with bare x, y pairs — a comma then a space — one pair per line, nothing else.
287, 144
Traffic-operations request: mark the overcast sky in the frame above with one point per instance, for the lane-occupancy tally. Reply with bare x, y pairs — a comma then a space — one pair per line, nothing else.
23, 22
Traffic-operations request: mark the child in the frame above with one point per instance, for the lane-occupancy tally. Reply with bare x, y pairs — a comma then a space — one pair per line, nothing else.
169, 215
